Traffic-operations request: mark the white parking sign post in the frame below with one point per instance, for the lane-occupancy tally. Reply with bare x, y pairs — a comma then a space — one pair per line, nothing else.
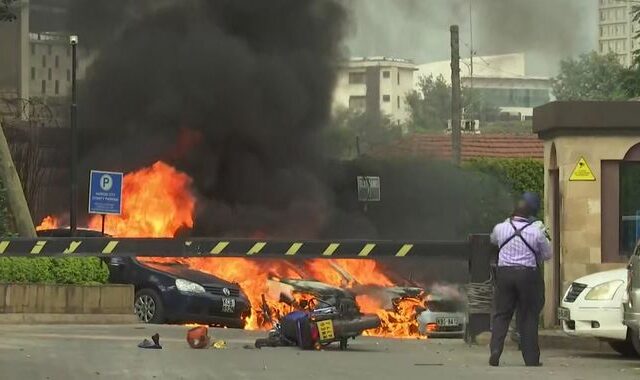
105, 194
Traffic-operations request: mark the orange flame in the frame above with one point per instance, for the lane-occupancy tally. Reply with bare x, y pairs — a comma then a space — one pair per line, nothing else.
157, 202
48, 223
398, 322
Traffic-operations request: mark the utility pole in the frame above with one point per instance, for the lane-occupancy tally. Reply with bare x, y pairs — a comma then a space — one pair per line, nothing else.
455, 95
15, 194
471, 43
73, 169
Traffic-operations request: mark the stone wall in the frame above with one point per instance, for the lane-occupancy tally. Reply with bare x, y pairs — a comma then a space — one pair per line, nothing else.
580, 211
66, 303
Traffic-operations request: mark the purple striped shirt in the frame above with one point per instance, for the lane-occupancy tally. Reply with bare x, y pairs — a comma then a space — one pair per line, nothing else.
515, 252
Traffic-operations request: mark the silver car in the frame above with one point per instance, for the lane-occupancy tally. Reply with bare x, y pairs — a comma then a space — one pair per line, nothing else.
632, 303
444, 317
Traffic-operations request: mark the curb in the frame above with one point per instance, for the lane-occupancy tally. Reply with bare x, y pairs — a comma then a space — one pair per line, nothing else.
552, 339
79, 319
565, 342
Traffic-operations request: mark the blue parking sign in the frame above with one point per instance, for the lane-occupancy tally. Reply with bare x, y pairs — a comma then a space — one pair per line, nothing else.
105, 193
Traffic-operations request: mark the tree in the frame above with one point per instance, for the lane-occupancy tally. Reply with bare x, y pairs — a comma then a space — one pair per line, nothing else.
5, 10
591, 77
430, 106
353, 130
476, 107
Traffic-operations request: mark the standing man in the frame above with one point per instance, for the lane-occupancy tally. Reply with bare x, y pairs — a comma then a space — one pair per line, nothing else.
514, 329
523, 247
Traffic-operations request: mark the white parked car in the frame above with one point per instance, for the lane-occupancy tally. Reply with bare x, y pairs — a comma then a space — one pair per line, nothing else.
444, 317
592, 306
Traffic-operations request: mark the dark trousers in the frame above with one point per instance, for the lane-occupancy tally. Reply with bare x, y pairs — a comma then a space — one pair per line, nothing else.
515, 322
517, 288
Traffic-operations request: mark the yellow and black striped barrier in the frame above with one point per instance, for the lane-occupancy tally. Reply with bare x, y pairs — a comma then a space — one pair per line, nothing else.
207, 247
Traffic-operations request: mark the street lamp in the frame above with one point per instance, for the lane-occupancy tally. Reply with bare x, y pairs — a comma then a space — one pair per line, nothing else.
73, 170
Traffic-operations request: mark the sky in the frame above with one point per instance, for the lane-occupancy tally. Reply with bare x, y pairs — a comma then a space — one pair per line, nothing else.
546, 30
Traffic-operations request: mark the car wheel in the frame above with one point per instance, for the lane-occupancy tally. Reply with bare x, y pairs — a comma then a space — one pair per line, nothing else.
148, 306
634, 336
623, 347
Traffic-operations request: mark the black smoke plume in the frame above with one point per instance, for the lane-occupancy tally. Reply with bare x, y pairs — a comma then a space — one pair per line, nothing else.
245, 84
235, 93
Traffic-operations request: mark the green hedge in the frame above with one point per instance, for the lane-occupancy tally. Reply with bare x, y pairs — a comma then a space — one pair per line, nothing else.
46, 270
519, 175
89, 270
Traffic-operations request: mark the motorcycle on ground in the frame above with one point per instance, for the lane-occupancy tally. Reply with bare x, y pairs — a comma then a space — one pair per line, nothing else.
319, 323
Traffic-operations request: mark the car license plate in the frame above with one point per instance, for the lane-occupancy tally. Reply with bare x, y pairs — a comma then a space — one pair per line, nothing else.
447, 322
564, 314
325, 330
228, 305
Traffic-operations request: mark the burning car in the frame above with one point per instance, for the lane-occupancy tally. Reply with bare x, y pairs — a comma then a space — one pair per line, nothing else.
396, 307
444, 315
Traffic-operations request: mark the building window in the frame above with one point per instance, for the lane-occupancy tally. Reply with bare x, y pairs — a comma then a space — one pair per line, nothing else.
386, 74
44, 61
33, 48
386, 98
398, 101
68, 75
356, 78
33, 73
602, 16
398, 76
629, 206
57, 89
57, 61
357, 103
49, 74
44, 86
49, 49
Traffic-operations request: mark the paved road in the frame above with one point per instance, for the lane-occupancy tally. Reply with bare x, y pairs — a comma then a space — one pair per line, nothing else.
110, 352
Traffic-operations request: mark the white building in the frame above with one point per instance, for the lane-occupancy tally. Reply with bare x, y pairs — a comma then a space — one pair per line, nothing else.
375, 84
500, 80
50, 70
617, 29
14, 54
36, 64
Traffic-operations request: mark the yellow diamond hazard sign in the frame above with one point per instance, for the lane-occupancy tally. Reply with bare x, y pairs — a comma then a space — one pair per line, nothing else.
582, 172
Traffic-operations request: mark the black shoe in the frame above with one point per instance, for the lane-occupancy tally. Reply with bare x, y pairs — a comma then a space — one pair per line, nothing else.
494, 361
156, 340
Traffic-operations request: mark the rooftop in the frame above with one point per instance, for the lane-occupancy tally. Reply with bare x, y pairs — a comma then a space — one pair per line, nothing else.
379, 61
586, 117
473, 146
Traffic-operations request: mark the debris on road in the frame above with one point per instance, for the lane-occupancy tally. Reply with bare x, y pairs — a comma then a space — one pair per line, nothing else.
198, 337
219, 344
154, 343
